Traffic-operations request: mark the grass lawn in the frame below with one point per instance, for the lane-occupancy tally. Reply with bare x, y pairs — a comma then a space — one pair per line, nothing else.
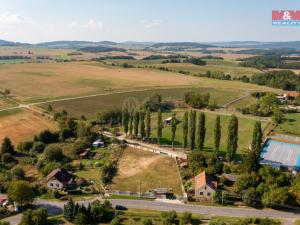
90, 174
245, 131
141, 170
90, 106
291, 124
297, 222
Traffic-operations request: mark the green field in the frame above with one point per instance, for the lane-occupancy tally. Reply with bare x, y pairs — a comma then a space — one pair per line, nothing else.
245, 131
291, 125
89, 106
225, 66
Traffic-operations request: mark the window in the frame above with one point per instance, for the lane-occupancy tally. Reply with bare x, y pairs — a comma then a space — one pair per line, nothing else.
208, 194
201, 193
57, 185
51, 184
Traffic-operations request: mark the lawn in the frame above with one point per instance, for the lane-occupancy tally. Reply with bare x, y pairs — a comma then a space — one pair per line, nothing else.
142, 170
90, 106
245, 131
21, 125
290, 126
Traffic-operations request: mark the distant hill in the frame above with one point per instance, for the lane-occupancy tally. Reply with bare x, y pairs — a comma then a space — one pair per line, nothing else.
101, 49
259, 45
181, 45
73, 44
11, 43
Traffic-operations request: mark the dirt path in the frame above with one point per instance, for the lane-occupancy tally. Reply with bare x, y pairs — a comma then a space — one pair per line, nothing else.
246, 94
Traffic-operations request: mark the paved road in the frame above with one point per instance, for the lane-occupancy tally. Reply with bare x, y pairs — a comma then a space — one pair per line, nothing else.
288, 217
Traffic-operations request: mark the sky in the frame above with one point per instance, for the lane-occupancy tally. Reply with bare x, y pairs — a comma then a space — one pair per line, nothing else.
33, 21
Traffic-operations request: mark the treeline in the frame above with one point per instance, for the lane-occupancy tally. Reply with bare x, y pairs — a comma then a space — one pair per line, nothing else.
285, 79
195, 61
126, 57
94, 213
266, 105
102, 49
11, 57
157, 57
269, 61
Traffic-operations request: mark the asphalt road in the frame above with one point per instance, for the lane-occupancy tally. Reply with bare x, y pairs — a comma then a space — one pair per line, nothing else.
288, 217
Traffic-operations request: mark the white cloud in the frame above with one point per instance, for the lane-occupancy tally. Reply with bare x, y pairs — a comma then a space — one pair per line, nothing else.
11, 19
151, 23
92, 24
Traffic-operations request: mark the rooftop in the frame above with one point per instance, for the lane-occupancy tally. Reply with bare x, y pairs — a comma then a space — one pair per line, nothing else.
204, 179
279, 153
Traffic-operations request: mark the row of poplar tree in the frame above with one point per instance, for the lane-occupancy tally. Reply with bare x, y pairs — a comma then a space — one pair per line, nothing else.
138, 124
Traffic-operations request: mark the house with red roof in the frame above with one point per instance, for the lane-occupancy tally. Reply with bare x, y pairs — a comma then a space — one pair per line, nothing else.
205, 187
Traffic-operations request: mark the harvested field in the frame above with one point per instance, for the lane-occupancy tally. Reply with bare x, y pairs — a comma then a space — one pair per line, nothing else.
22, 125
146, 171
34, 81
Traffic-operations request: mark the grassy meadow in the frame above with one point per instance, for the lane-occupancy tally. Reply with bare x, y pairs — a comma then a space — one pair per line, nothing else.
89, 106
290, 125
245, 131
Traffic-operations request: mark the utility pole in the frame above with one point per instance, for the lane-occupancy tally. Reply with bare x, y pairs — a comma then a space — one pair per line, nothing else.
140, 188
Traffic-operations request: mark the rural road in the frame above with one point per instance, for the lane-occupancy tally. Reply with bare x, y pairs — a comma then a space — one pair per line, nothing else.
287, 217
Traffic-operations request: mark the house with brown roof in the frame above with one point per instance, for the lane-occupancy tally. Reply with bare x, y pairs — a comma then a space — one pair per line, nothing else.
59, 179
291, 95
205, 187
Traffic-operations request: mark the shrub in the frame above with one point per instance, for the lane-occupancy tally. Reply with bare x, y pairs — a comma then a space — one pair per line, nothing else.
18, 172
25, 146
37, 147
7, 158
53, 153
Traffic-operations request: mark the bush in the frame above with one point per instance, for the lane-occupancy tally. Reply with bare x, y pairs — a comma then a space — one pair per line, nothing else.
53, 153
7, 158
49, 167
48, 137
18, 172
25, 146
37, 147
217, 221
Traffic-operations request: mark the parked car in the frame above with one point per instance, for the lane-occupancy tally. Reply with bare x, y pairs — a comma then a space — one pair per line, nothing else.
120, 207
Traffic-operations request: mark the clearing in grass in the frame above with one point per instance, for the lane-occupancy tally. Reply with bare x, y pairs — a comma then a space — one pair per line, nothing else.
145, 171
